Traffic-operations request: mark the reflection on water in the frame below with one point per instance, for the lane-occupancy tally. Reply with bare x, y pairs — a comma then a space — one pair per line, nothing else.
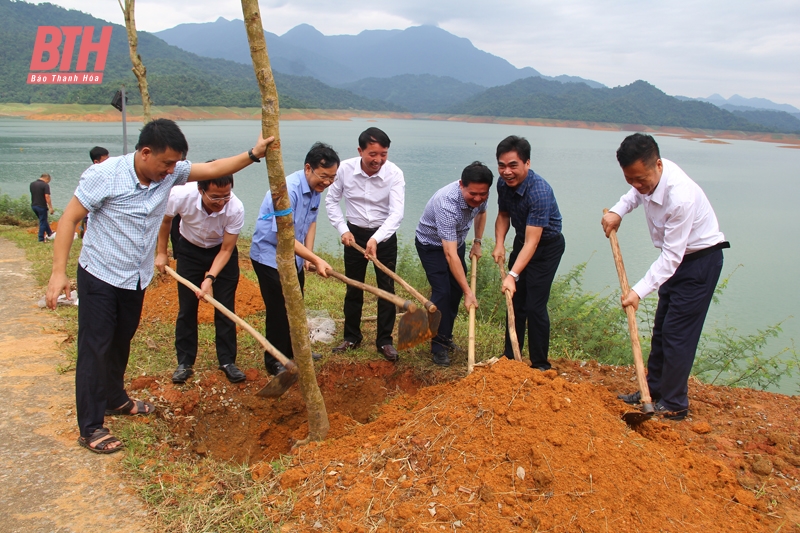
752, 186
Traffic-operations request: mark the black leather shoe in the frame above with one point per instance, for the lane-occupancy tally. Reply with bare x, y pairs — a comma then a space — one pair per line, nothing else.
441, 359
345, 346
452, 347
633, 398
388, 352
274, 368
663, 412
182, 373
233, 373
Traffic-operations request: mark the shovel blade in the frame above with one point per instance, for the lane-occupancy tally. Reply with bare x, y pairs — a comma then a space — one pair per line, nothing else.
634, 418
413, 329
278, 385
433, 322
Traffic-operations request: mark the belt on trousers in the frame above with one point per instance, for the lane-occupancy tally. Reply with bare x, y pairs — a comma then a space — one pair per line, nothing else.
706, 251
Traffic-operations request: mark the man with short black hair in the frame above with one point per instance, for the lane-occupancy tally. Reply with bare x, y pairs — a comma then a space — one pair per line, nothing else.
127, 196
98, 154
211, 220
684, 227
373, 189
41, 205
441, 243
526, 201
304, 188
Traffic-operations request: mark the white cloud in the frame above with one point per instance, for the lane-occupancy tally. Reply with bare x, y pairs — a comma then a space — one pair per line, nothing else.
683, 46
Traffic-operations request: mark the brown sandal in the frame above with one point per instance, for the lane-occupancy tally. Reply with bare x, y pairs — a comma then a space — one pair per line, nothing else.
103, 439
142, 408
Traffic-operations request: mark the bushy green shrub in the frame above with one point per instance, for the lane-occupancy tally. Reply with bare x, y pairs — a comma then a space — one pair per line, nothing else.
17, 212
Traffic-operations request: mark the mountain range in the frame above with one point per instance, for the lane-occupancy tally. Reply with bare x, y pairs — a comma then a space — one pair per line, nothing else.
337, 59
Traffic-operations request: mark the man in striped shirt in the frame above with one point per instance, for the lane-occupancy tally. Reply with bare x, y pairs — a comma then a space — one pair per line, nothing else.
441, 243
127, 197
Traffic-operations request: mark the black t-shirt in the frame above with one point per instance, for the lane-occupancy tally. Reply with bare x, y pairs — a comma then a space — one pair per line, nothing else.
38, 189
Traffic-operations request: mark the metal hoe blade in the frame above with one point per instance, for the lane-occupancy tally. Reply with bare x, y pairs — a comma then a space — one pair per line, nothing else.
280, 383
433, 322
413, 329
634, 418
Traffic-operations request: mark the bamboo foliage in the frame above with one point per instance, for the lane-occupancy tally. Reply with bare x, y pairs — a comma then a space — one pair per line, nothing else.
318, 423
138, 67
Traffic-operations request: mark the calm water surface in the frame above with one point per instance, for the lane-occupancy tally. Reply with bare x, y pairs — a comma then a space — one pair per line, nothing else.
753, 187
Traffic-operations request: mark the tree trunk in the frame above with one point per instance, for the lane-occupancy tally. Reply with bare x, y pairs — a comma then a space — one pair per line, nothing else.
318, 423
138, 67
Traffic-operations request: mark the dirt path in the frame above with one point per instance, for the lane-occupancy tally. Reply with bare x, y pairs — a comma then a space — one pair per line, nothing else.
49, 483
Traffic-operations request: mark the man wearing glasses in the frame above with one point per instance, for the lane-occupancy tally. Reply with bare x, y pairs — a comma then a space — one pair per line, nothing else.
304, 188
211, 218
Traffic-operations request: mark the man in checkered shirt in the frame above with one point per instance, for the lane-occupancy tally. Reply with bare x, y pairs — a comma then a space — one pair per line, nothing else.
441, 243
127, 197
526, 201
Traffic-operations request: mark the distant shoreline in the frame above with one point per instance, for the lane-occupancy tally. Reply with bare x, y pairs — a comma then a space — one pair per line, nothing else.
105, 113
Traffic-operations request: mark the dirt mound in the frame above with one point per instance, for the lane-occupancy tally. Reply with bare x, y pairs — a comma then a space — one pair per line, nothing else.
210, 416
511, 448
161, 301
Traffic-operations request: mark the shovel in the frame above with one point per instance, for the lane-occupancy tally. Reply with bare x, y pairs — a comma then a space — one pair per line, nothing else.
280, 383
471, 345
434, 315
648, 410
512, 323
413, 327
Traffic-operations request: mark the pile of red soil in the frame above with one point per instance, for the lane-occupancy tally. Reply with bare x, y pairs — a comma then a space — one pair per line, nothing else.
511, 448
505, 449
161, 301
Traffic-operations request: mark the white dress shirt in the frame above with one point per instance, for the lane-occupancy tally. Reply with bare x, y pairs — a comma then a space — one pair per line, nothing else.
197, 226
372, 202
681, 221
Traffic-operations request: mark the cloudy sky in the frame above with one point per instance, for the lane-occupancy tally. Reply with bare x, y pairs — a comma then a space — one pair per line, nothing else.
684, 47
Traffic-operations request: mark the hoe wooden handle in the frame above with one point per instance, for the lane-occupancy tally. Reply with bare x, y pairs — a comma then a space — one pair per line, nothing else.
395, 276
633, 327
228, 313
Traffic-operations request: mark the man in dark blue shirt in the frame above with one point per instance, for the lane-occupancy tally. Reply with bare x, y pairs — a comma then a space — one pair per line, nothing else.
526, 201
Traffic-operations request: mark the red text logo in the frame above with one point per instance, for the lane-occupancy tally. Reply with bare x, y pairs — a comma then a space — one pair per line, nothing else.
49, 54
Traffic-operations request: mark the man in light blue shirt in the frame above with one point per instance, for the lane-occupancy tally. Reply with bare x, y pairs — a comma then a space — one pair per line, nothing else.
304, 188
127, 197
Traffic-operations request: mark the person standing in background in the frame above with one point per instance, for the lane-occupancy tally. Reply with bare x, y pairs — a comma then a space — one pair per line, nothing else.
98, 154
42, 205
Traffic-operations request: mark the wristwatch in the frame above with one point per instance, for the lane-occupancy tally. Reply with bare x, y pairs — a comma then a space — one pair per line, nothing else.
477, 240
253, 157
513, 275
211, 277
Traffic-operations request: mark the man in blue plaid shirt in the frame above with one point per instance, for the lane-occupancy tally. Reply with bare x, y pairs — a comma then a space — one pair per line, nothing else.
127, 197
526, 201
441, 242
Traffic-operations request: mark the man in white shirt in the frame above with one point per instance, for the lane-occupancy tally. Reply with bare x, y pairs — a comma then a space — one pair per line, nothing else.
683, 225
373, 189
211, 219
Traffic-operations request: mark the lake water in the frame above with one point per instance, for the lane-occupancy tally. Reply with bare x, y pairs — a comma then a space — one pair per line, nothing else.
753, 187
